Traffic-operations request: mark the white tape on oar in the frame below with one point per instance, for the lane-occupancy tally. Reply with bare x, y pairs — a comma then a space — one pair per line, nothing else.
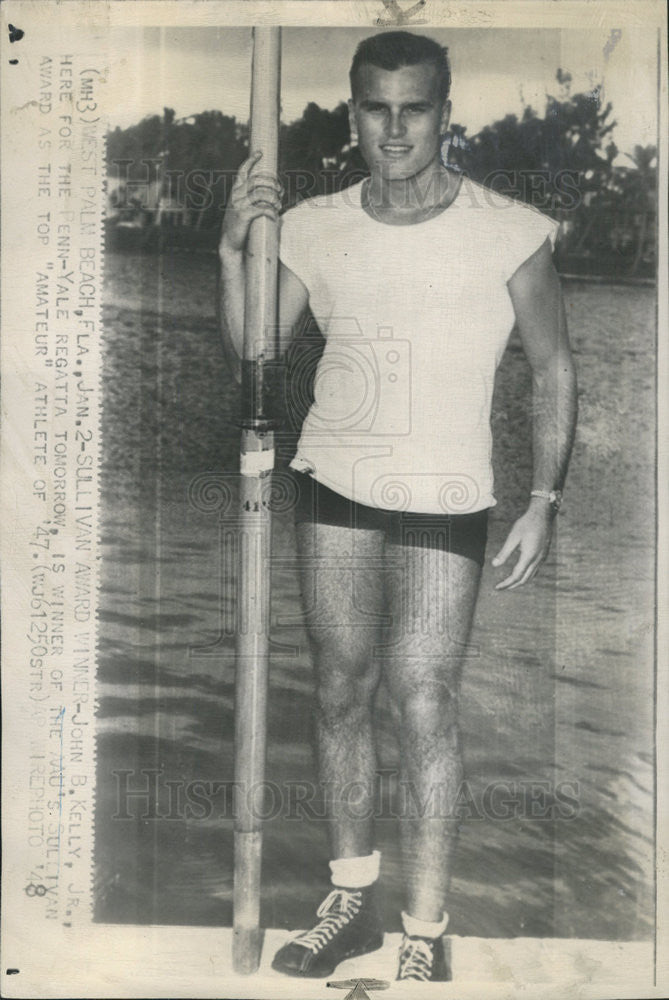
254, 463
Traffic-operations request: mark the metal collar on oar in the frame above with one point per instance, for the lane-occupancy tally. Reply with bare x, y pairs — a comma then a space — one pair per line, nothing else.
261, 425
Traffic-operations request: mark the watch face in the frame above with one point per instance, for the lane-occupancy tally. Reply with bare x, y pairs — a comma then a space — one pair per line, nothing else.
556, 499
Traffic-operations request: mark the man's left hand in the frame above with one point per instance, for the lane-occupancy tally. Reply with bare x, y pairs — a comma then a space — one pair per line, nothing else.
532, 534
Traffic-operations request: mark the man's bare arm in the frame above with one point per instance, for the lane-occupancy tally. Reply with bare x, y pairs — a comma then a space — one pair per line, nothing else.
540, 314
293, 300
254, 194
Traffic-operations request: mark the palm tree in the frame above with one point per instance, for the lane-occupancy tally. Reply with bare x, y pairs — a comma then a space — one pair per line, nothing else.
641, 193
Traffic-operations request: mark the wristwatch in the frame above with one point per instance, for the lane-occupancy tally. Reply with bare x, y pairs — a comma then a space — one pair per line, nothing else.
554, 497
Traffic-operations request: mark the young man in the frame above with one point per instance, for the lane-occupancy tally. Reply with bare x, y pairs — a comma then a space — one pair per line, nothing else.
416, 279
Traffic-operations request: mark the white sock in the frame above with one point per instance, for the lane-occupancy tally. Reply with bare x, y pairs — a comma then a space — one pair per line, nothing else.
424, 928
355, 873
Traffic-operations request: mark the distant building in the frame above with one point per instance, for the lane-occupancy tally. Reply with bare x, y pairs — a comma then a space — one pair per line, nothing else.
125, 195
143, 203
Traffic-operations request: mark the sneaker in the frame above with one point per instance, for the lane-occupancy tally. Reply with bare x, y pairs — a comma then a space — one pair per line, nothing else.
424, 959
349, 925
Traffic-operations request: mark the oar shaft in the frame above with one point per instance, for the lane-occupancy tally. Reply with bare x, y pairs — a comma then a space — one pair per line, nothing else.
263, 242
251, 679
256, 463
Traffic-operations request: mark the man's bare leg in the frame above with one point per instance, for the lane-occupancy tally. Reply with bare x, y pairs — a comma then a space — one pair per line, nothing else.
432, 595
342, 586
342, 592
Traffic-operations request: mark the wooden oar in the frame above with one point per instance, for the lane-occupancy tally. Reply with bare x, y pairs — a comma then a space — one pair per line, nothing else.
256, 464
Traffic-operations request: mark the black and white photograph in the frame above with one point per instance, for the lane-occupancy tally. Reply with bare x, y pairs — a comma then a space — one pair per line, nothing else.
334, 350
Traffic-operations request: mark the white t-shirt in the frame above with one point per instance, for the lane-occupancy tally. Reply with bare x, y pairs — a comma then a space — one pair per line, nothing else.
416, 319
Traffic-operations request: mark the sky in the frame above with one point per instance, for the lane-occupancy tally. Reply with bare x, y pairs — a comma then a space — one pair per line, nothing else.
495, 72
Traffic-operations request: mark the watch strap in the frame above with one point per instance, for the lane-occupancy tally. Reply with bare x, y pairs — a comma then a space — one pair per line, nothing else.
554, 497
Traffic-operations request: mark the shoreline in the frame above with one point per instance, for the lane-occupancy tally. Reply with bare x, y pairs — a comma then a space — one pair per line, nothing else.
210, 252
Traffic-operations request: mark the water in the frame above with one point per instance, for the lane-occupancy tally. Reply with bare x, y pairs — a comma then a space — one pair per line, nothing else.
557, 694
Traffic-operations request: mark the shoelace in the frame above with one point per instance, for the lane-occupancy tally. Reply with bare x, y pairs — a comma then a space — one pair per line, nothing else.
416, 959
336, 910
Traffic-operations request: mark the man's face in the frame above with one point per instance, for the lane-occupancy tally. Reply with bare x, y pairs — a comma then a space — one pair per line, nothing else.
399, 117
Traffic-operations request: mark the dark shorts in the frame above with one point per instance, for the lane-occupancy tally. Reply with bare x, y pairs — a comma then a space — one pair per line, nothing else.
463, 534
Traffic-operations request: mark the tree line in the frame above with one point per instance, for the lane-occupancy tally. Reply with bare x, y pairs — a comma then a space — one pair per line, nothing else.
562, 161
